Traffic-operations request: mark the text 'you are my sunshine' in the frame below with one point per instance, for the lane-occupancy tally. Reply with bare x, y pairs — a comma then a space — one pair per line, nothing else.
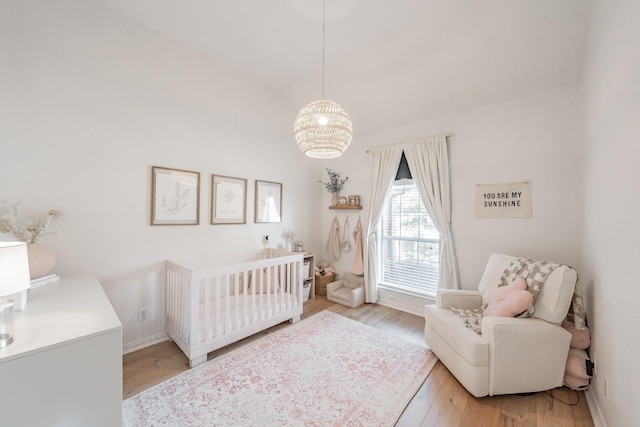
502, 200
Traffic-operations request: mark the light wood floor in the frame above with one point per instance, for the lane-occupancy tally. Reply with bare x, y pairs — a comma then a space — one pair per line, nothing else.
441, 401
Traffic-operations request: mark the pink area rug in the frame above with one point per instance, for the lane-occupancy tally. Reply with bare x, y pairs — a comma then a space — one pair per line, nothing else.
326, 370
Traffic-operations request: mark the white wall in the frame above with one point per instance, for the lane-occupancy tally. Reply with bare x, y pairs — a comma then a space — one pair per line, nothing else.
89, 101
533, 138
611, 90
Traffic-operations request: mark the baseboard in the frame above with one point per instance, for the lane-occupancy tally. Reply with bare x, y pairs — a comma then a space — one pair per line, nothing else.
594, 409
145, 342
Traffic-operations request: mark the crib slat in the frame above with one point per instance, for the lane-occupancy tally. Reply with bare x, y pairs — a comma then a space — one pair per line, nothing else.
254, 303
216, 302
261, 295
283, 283
245, 297
192, 296
236, 299
227, 308
207, 310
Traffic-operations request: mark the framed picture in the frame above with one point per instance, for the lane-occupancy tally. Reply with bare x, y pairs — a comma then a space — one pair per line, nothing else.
175, 197
298, 246
228, 200
268, 202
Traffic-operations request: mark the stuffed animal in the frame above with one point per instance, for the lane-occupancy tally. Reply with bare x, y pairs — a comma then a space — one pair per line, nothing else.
580, 338
577, 372
323, 268
510, 300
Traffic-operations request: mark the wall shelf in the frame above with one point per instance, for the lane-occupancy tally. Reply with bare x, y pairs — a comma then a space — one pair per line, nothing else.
345, 207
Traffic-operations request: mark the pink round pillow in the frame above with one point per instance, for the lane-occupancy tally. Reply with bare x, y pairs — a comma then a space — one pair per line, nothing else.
580, 338
510, 300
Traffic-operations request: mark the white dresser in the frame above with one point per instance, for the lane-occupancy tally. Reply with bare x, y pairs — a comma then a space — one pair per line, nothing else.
64, 367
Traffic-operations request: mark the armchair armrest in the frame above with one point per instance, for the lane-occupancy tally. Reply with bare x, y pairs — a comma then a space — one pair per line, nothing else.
518, 347
357, 295
447, 298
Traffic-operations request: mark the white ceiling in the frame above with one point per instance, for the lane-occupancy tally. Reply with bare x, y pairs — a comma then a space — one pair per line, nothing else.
388, 62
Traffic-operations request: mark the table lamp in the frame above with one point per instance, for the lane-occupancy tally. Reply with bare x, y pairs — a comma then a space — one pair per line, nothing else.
15, 279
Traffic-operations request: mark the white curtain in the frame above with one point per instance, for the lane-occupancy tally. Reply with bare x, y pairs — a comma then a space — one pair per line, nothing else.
428, 162
383, 166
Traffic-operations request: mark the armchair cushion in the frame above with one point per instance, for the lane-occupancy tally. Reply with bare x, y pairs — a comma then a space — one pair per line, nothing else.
469, 345
348, 291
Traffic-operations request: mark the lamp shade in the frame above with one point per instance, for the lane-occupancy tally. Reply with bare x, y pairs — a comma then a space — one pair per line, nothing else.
14, 268
323, 129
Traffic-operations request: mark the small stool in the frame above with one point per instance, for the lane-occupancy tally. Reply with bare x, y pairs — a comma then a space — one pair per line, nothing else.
348, 291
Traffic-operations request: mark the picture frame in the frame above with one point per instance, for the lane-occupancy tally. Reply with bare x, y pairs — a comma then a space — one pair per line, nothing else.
268, 202
342, 201
298, 246
228, 200
175, 196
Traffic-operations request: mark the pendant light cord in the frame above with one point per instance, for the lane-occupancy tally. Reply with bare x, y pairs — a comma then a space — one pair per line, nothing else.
322, 49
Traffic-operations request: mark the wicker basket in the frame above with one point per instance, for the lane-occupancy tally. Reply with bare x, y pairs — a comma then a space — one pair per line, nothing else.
321, 283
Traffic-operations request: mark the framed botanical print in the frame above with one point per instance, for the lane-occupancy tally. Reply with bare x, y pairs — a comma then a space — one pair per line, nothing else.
175, 196
268, 197
228, 200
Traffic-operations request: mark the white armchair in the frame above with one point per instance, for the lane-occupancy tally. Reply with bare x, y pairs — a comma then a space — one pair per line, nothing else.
513, 355
349, 291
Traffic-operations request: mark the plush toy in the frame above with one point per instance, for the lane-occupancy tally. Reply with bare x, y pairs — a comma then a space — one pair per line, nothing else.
323, 268
580, 338
510, 300
329, 271
577, 373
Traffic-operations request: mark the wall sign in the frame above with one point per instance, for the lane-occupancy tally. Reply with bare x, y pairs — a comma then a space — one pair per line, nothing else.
503, 200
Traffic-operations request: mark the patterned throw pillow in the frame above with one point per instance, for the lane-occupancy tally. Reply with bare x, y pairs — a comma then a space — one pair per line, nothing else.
472, 317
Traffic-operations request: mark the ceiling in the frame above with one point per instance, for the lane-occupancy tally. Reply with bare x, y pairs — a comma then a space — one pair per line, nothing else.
387, 62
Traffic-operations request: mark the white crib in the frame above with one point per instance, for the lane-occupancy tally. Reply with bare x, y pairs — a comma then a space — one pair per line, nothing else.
208, 309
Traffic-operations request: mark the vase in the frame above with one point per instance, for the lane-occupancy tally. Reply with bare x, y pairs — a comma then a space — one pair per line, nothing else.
334, 200
41, 260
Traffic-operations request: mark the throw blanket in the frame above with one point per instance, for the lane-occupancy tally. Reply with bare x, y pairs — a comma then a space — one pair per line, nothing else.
333, 244
533, 272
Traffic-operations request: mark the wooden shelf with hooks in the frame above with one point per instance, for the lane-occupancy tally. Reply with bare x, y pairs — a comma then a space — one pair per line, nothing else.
346, 207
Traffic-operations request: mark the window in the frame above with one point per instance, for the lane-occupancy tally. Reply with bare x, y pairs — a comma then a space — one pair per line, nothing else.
408, 243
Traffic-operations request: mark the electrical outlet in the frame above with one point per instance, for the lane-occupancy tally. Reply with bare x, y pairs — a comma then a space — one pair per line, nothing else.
142, 313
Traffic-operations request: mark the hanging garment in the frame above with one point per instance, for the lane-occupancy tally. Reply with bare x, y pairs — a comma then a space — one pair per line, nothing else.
333, 244
345, 244
358, 261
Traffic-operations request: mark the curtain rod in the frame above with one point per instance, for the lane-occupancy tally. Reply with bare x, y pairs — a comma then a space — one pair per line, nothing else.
446, 135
